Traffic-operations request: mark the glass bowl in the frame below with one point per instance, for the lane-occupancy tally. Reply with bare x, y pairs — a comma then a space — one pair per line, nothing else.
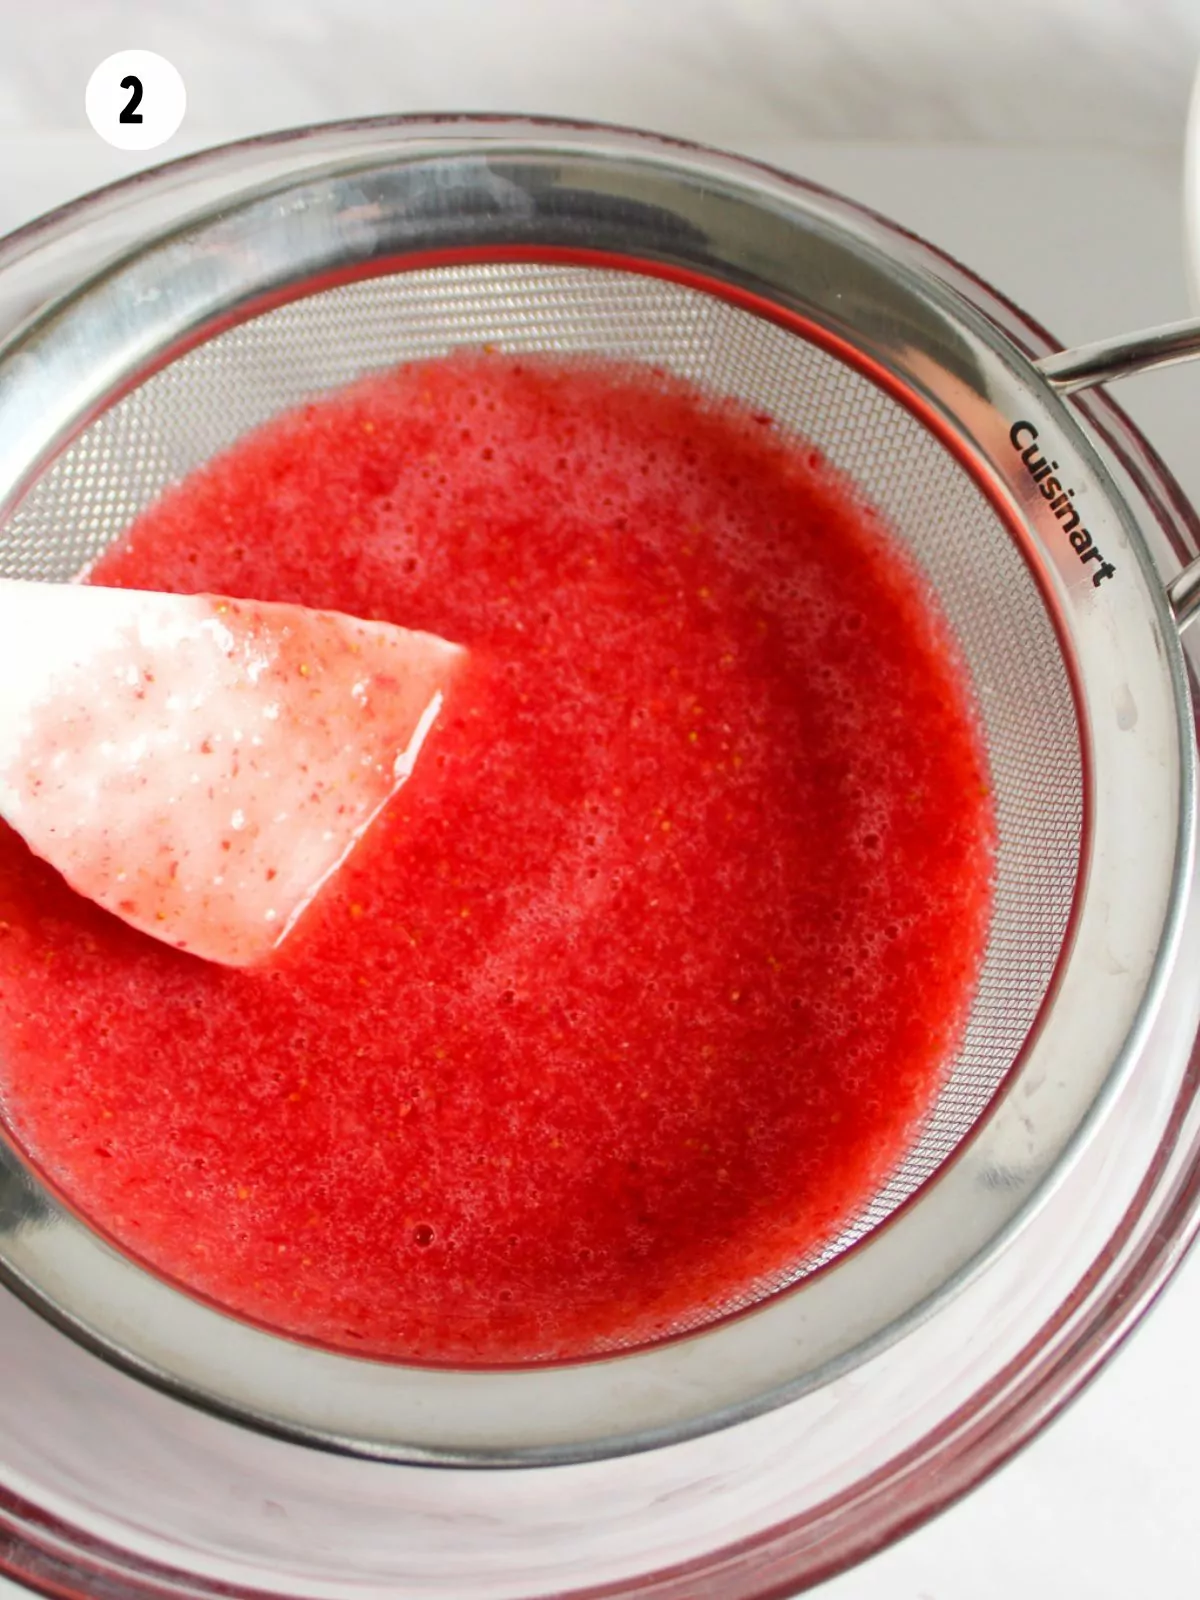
109, 1486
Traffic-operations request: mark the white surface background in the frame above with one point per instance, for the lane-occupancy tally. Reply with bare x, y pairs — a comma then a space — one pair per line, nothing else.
1038, 142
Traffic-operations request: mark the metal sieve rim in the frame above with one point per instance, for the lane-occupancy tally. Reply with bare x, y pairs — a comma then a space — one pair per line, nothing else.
932, 323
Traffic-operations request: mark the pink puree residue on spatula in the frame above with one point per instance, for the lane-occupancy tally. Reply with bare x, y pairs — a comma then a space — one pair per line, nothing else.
200, 766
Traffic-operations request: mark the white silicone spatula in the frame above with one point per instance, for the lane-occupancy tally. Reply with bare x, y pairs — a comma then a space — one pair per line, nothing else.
200, 766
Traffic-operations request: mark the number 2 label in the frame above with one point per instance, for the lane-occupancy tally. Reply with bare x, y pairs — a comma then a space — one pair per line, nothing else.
135, 100
131, 112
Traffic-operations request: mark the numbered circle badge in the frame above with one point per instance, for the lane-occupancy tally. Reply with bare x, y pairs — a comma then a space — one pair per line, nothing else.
135, 100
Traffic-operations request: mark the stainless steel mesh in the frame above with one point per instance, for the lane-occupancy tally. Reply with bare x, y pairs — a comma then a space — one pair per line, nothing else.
202, 402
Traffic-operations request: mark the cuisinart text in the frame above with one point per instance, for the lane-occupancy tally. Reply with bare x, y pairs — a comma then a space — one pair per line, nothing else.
1024, 437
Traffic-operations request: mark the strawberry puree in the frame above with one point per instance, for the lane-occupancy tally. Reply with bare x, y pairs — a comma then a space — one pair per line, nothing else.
647, 975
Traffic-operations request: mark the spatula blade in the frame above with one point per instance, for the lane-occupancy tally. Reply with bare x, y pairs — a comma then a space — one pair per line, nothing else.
200, 766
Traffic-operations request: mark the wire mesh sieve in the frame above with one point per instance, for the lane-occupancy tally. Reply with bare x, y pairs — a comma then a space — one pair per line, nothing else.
201, 402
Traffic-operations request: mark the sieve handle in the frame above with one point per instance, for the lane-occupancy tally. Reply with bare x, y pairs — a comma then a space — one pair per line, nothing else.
1110, 359
1105, 362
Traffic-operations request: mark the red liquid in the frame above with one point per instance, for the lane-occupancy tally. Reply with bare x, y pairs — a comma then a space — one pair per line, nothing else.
649, 973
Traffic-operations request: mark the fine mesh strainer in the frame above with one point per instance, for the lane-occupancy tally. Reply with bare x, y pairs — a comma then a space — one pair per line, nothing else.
181, 416
759, 289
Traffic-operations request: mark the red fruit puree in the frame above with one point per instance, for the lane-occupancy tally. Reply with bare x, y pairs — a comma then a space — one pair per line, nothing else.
646, 977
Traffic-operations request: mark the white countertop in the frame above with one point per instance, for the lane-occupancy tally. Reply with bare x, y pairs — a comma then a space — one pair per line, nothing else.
1078, 72
1102, 1506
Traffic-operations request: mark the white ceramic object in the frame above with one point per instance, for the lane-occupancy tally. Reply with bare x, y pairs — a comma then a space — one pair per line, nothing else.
1191, 192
